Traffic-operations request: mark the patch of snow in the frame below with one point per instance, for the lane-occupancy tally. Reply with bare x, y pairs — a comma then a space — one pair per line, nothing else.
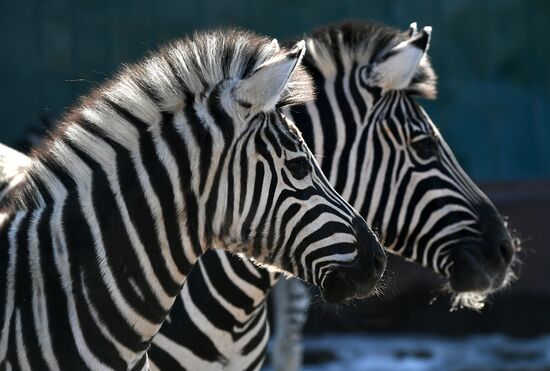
411, 353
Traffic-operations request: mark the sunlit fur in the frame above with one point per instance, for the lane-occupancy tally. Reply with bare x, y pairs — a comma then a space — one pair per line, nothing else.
477, 300
13, 166
136, 182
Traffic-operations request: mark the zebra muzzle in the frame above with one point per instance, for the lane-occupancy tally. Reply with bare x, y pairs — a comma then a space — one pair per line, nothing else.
358, 280
484, 265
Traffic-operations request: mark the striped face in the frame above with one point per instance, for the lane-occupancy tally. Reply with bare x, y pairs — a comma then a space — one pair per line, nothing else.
433, 213
277, 207
384, 155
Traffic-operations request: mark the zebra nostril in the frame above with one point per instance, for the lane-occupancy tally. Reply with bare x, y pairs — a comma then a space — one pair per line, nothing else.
506, 251
379, 263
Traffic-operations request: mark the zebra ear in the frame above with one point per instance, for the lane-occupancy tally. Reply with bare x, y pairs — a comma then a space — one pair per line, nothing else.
395, 68
263, 89
413, 29
274, 46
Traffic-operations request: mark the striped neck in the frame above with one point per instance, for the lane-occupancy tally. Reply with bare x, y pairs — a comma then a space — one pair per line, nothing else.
123, 224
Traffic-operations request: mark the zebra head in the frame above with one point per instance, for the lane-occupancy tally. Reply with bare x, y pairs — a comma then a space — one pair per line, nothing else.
387, 158
264, 194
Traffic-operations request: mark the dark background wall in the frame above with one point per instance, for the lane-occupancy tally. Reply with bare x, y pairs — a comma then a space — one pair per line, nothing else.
491, 55
493, 61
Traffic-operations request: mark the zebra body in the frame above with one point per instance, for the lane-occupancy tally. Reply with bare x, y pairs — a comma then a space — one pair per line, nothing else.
225, 318
180, 152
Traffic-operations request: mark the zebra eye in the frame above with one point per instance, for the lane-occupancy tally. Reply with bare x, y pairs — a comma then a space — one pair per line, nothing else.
299, 167
425, 147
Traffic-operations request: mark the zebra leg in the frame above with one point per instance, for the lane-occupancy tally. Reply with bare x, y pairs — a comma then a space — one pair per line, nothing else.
290, 304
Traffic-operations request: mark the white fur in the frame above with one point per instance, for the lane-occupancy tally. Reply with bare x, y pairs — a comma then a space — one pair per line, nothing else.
396, 71
263, 89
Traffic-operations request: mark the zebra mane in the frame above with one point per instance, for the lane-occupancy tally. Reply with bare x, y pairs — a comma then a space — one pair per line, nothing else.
363, 42
187, 66
163, 80
204, 59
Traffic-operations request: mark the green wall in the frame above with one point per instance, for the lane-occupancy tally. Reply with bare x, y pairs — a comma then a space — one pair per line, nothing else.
492, 57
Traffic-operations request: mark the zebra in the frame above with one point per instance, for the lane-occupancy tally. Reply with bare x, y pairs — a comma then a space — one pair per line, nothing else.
428, 210
182, 151
382, 152
377, 146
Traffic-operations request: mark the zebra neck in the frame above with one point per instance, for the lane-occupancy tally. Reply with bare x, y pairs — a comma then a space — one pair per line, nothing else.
120, 221
239, 279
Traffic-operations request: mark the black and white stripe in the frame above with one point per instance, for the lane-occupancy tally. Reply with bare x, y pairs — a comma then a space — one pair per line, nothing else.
378, 147
180, 152
389, 155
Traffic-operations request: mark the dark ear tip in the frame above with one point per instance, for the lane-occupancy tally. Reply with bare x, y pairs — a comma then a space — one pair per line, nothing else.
297, 50
413, 29
422, 41
293, 54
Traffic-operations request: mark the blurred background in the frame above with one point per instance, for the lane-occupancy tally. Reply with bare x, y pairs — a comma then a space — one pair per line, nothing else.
493, 62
